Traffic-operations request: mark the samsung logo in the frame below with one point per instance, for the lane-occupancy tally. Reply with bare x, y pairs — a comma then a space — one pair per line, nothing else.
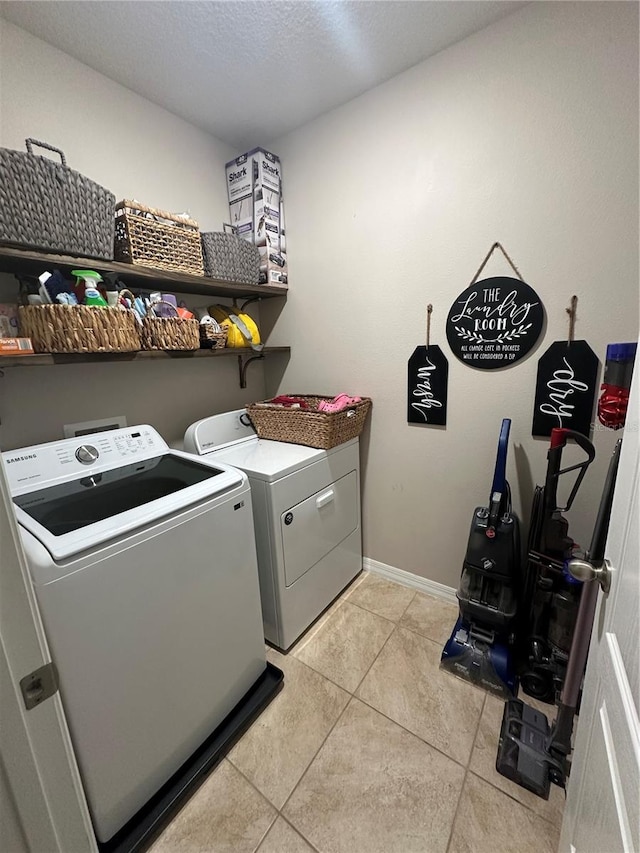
234, 176
22, 458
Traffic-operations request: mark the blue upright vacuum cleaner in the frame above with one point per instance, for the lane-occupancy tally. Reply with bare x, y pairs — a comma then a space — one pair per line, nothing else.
481, 646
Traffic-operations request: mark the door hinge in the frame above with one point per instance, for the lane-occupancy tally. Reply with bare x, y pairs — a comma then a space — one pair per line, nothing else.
39, 685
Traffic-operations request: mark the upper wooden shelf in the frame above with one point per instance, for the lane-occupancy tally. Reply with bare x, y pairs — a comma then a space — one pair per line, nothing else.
33, 262
245, 356
49, 358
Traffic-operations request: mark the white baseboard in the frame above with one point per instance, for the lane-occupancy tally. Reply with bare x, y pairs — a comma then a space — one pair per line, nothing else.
439, 590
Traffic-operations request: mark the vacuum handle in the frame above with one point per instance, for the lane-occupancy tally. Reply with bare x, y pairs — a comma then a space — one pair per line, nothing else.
589, 596
500, 471
595, 554
499, 485
559, 439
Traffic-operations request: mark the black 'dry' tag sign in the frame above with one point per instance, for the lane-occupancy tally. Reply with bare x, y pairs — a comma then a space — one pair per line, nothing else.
565, 388
495, 322
427, 386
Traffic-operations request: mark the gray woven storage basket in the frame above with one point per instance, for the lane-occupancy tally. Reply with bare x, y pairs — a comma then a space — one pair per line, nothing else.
46, 205
229, 257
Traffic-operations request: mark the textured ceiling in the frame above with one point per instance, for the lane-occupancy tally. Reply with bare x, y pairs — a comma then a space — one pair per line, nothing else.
250, 71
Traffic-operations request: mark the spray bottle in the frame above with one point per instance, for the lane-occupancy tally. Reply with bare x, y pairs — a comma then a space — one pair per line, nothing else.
87, 282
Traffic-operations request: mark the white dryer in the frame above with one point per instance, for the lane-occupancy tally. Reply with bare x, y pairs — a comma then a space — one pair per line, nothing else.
306, 512
144, 568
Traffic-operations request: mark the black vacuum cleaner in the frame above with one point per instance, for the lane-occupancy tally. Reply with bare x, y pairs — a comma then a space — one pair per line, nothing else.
550, 594
481, 646
532, 753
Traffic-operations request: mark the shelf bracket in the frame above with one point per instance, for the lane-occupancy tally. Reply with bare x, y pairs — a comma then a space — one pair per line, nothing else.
242, 367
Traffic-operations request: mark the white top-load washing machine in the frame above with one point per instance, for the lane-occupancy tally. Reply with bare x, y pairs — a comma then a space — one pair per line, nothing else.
144, 567
306, 511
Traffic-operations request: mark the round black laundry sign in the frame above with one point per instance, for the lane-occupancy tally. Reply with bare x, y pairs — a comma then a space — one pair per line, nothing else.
495, 322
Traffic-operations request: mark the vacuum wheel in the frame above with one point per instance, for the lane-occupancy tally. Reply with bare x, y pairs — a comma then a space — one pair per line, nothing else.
539, 685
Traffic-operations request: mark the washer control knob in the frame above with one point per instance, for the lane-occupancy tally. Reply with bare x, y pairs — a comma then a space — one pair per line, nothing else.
87, 454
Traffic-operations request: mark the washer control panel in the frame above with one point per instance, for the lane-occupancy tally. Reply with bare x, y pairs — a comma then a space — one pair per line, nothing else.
42, 463
87, 454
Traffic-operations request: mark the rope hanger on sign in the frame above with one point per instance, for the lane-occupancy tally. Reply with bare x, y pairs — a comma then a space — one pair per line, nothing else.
429, 310
489, 253
571, 311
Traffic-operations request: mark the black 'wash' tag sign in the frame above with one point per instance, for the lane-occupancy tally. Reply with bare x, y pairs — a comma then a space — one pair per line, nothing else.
495, 322
565, 388
427, 386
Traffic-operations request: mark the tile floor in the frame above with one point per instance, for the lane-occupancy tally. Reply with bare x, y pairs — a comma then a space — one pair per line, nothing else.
369, 748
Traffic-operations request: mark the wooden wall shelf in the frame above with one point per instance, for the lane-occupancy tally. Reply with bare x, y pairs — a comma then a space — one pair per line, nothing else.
33, 262
244, 356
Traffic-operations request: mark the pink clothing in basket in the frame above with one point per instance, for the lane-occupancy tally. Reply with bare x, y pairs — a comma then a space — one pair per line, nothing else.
342, 401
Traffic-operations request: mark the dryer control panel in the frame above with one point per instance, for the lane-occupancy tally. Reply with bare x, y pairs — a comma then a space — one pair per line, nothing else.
48, 463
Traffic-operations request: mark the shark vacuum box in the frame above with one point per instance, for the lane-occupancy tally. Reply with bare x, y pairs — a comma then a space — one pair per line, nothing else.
254, 187
273, 267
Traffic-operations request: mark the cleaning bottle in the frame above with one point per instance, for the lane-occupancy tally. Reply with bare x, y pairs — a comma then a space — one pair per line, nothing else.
92, 296
87, 288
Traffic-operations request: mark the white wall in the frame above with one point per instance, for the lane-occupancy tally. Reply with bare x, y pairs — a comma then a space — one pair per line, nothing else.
137, 150
124, 142
526, 133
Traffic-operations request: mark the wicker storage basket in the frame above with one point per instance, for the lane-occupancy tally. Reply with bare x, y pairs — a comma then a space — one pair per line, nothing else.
79, 328
212, 339
307, 426
46, 205
155, 238
169, 333
229, 257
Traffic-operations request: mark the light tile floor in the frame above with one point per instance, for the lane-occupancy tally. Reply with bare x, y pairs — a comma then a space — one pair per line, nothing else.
368, 748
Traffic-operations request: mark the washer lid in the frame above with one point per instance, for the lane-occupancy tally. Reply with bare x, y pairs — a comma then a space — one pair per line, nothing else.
72, 505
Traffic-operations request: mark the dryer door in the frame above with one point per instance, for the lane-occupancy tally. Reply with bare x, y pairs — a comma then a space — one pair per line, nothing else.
315, 526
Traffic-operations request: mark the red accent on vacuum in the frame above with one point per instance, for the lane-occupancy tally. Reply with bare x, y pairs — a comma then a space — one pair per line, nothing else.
612, 405
558, 436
